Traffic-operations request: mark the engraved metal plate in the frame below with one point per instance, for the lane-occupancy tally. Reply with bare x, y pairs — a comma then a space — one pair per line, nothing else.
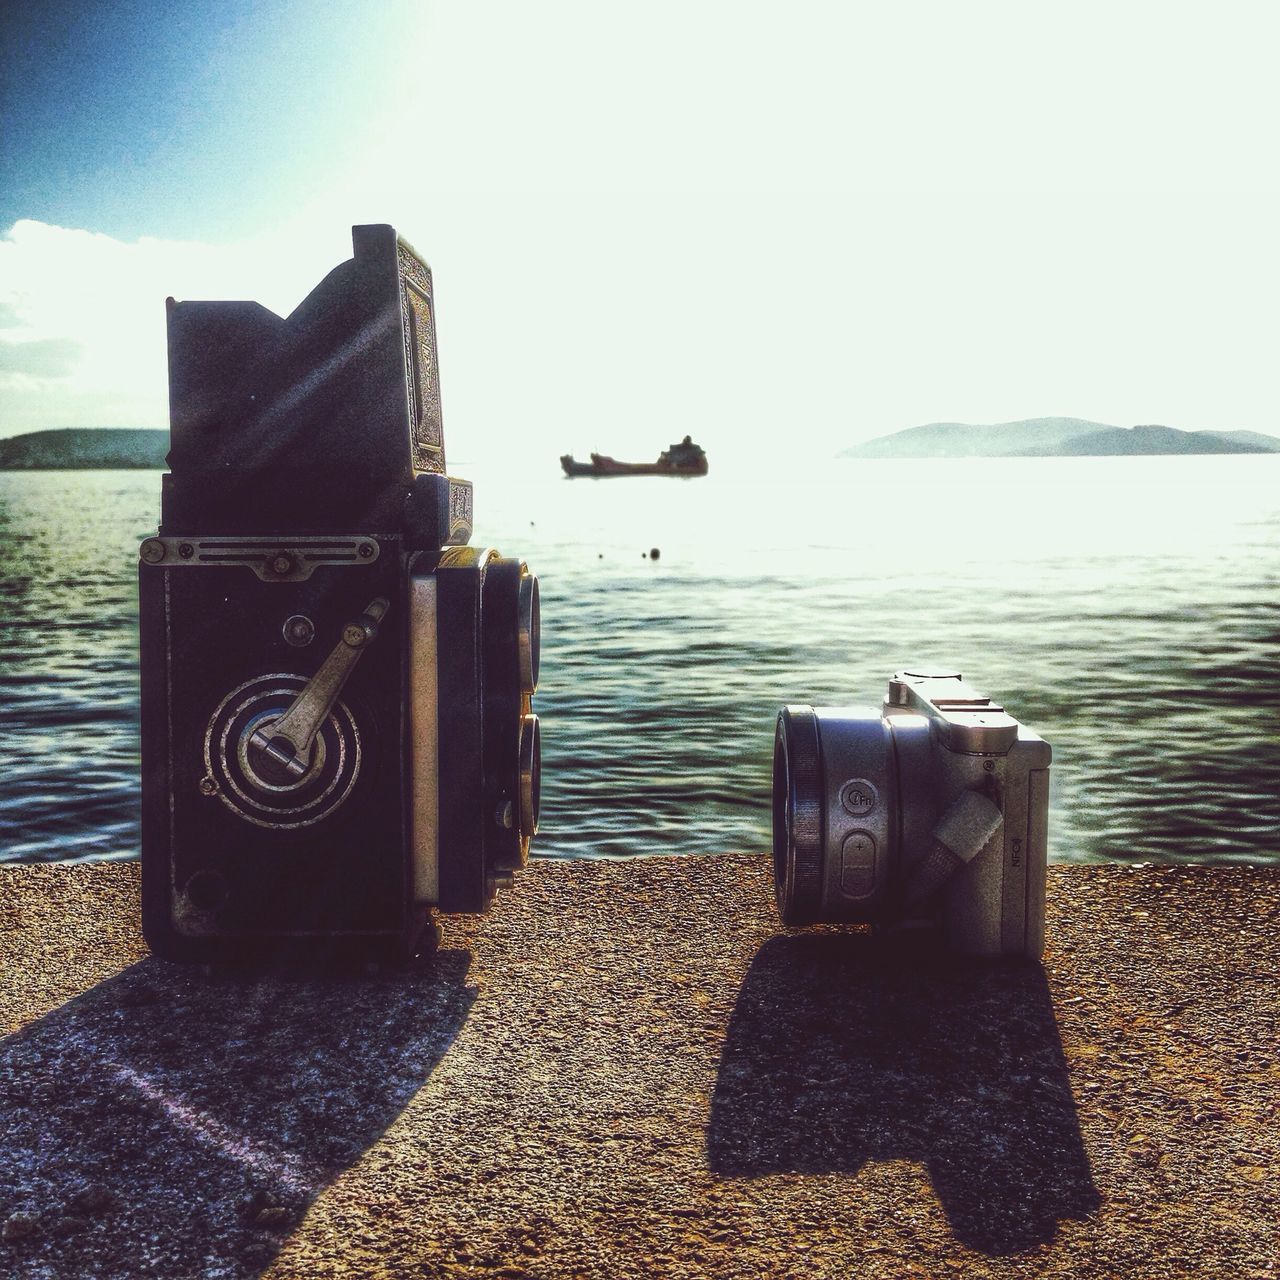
287, 559
461, 512
419, 325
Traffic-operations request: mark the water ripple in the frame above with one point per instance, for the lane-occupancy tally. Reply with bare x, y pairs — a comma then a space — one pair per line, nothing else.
1133, 620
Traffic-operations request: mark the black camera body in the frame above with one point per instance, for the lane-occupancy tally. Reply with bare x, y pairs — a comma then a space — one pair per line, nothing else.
337, 733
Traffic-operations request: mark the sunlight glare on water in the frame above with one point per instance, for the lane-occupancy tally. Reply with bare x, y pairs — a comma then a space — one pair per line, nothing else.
1125, 608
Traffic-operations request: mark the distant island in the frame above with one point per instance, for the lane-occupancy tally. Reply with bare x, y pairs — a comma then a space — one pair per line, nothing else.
1055, 438
82, 448
113, 448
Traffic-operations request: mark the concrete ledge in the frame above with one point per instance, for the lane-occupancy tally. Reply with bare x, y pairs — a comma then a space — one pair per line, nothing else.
629, 1070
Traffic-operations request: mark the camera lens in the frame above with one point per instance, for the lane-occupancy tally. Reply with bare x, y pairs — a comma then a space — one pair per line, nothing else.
834, 797
529, 631
530, 775
797, 815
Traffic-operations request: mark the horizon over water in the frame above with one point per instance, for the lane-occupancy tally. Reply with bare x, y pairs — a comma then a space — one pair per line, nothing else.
1124, 608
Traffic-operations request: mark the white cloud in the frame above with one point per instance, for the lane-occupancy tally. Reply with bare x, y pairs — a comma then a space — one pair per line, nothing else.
764, 326
815, 227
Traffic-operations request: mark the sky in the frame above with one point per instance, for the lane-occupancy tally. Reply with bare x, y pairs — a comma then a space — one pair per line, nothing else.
783, 228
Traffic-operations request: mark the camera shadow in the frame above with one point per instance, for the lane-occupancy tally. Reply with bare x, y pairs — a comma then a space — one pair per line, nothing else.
844, 1048
173, 1122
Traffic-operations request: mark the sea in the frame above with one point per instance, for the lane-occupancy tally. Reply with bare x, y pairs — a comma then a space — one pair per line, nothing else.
1127, 609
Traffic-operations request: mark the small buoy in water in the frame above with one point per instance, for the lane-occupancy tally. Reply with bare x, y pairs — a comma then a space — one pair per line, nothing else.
599, 555
654, 553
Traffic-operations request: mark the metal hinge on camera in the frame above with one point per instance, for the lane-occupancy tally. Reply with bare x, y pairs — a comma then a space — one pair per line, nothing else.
290, 559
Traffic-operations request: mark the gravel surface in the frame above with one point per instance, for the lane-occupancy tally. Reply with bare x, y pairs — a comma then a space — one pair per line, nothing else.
628, 1069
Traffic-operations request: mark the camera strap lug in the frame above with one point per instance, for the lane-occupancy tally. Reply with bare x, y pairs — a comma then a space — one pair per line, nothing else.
968, 825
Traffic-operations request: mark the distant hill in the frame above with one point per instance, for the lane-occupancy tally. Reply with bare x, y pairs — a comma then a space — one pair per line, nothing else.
1055, 438
1270, 443
76, 448
1147, 441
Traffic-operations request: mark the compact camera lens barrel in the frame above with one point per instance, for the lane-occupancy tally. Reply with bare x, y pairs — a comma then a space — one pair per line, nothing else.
835, 789
797, 815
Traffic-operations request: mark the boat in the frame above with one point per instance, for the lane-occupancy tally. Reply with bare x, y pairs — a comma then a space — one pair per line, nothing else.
682, 459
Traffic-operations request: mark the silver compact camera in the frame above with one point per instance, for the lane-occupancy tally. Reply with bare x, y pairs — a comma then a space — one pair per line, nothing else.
932, 810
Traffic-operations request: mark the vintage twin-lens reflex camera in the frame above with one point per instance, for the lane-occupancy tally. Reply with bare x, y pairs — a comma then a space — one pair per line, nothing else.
932, 810
337, 733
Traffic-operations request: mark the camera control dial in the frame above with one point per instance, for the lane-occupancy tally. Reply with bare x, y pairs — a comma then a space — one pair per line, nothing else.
287, 742
285, 752
251, 785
